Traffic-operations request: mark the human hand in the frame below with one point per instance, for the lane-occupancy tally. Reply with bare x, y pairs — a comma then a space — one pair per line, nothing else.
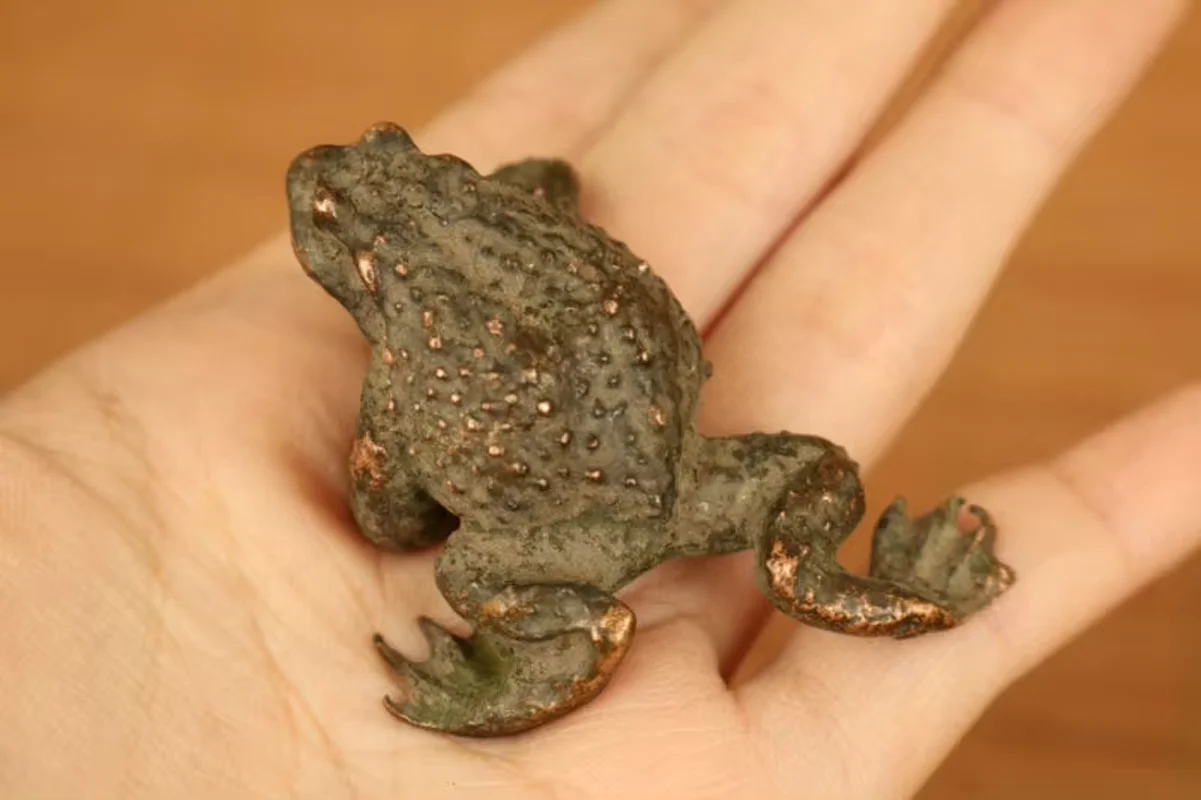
187, 610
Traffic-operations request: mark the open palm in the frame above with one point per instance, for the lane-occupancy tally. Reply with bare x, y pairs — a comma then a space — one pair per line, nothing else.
187, 609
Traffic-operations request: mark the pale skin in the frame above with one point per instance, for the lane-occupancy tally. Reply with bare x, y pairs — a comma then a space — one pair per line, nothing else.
187, 612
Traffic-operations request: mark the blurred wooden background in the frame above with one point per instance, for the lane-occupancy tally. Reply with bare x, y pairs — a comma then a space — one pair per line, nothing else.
142, 144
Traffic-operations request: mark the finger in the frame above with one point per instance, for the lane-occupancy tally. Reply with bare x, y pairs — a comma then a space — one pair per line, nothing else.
553, 98
1085, 532
861, 308
714, 156
873, 293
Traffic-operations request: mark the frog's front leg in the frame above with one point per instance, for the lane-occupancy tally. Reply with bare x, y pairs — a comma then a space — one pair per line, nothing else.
538, 649
926, 574
389, 507
551, 178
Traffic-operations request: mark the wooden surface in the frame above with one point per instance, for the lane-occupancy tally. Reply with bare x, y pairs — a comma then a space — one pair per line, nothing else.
142, 145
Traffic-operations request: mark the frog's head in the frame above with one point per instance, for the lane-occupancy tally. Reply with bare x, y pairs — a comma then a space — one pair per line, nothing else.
352, 205
326, 186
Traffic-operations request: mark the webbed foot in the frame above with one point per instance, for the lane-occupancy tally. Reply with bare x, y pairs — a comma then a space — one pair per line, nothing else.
945, 555
926, 574
537, 653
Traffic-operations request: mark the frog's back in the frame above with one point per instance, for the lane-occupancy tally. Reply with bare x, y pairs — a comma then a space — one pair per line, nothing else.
540, 369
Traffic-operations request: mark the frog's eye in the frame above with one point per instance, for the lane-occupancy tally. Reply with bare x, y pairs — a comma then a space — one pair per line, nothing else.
324, 207
388, 133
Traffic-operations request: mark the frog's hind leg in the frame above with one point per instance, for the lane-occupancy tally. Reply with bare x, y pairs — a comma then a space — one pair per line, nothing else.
926, 574
551, 178
538, 651
389, 508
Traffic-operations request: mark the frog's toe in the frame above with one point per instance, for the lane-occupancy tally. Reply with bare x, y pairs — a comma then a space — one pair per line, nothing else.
447, 691
425, 688
946, 555
489, 685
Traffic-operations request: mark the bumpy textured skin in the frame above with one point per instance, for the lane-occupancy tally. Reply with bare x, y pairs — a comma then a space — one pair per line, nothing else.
533, 396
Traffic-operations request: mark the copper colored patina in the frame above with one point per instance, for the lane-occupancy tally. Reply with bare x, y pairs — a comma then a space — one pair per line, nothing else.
531, 405
366, 462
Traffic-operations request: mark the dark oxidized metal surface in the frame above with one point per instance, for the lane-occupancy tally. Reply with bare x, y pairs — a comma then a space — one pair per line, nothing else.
532, 402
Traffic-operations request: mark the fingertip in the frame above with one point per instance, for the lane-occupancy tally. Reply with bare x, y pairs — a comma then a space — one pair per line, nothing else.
1143, 473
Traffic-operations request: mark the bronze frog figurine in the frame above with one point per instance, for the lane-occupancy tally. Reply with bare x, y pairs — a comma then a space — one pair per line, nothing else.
532, 401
